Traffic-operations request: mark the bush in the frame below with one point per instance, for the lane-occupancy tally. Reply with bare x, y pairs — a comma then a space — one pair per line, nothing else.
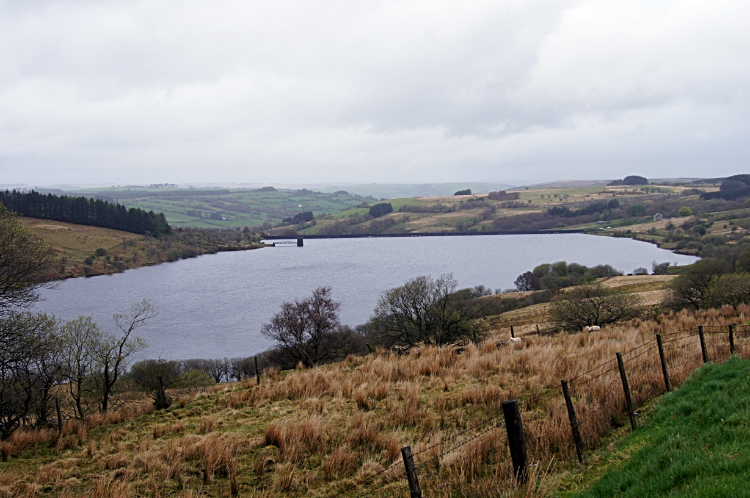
731, 288
593, 305
381, 209
428, 310
463, 192
660, 268
684, 211
691, 289
194, 379
637, 210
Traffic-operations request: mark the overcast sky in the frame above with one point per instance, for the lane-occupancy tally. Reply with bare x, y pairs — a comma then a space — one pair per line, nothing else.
378, 91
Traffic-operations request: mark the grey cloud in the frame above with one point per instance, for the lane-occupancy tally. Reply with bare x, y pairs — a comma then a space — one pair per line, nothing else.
508, 91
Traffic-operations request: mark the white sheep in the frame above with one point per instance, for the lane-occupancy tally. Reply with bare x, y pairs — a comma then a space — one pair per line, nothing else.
593, 328
515, 341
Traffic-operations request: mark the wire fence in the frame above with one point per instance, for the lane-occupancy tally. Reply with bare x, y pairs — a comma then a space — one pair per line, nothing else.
599, 401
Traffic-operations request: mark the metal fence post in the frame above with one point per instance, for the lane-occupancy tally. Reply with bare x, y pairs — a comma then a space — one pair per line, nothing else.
703, 344
627, 390
731, 338
411, 473
511, 331
516, 439
574, 423
664, 370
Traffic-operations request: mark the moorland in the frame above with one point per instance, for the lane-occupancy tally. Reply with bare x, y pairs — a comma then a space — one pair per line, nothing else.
337, 428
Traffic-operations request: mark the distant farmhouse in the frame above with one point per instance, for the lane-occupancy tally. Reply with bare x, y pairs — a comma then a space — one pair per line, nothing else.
658, 217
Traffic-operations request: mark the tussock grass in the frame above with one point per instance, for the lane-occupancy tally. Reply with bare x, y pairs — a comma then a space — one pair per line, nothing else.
338, 429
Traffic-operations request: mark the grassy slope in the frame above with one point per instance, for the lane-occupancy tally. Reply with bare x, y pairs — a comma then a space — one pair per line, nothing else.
75, 243
696, 442
399, 190
533, 200
329, 430
241, 207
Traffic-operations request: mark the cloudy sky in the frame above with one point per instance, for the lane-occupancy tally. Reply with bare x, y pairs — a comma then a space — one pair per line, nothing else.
406, 91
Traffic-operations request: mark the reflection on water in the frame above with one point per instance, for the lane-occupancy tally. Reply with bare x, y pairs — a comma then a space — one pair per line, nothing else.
213, 306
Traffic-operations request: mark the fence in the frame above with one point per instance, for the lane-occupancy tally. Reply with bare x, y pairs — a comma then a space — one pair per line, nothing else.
564, 424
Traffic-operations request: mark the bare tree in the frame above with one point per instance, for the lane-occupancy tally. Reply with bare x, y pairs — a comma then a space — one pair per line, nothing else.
80, 338
26, 368
24, 262
527, 282
731, 288
306, 330
692, 288
114, 352
592, 305
428, 310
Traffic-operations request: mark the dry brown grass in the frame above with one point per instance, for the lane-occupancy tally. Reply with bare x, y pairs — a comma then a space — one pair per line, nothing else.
338, 429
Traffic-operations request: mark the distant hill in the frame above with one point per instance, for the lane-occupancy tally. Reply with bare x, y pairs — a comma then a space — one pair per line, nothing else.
569, 184
601, 183
400, 190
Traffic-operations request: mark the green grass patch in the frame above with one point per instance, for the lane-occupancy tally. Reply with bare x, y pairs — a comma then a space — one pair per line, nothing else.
696, 442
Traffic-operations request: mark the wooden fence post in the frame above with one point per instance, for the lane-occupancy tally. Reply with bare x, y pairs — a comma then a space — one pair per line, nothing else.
574, 423
257, 372
411, 473
703, 344
161, 402
625, 386
516, 439
511, 331
59, 415
731, 338
537, 330
664, 370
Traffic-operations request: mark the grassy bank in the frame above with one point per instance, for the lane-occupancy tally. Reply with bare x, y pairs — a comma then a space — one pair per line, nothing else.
338, 429
87, 251
695, 443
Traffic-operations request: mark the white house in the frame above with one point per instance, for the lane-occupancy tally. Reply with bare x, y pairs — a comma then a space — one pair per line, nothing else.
658, 217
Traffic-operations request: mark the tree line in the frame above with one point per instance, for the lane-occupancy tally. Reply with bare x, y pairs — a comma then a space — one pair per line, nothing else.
85, 211
593, 208
424, 310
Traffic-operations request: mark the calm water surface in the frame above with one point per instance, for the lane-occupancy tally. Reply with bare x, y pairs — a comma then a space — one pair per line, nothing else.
213, 306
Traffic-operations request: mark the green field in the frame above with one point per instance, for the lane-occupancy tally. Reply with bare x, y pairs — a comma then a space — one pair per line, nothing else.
696, 442
400, 190
226, 208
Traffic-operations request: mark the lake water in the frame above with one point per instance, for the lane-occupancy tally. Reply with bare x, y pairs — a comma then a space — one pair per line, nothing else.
213, 306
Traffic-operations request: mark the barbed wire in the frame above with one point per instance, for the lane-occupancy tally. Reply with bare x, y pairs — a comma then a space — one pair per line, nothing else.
582, 383
464, 443
383, 484
624, 362
607, 400
689, 332
443, 441
586, 373
677, 339
676, 347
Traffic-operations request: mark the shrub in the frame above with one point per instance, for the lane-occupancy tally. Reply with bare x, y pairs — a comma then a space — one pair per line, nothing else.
381, 209
593, 305
684, 211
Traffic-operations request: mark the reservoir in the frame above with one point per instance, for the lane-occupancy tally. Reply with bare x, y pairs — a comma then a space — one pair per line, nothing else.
213, 306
